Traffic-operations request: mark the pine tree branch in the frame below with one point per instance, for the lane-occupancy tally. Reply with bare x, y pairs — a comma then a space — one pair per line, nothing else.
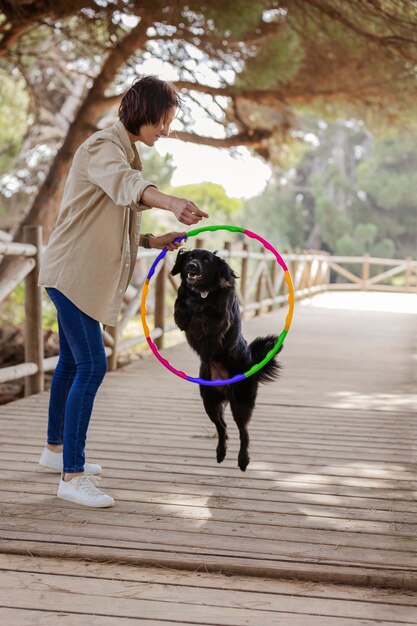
394, 41
251, 138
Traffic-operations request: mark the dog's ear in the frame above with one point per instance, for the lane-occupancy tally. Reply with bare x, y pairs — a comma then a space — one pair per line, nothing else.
227, 275
179, 262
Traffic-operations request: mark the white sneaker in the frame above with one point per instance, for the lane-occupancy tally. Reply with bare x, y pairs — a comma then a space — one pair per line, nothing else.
83, 490
53, 461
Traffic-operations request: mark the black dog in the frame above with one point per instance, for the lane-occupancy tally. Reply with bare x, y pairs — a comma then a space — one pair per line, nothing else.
207, 309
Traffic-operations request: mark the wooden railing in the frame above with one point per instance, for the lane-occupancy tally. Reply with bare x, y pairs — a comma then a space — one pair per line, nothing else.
261, 288
370, 276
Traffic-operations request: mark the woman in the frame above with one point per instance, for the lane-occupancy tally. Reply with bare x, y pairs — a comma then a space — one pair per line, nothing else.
87, 266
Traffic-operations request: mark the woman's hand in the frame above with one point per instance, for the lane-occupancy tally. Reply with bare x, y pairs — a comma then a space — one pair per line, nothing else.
167, 241
185, 210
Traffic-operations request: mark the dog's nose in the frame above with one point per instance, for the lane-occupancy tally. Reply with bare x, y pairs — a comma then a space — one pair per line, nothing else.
192, 266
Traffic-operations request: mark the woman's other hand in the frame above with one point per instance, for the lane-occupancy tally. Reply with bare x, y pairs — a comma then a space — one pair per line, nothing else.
186, 211
167, 241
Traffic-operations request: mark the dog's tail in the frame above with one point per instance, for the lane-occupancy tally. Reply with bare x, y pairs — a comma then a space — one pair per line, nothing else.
259, 348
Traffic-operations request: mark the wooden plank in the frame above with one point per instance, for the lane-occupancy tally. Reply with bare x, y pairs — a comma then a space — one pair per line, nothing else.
405, 521
189, 616
203, 514
262, 471
345, 273
8, 284
344, 530
204, 457
14, 372
180, 428
235, 545
37, 617
338, 536
255, 497
229, 564
201, 579
180, 436
164, 483
210, 600
379, 278
277, 452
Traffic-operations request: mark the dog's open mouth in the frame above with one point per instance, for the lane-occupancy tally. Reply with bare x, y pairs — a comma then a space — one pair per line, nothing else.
193, 277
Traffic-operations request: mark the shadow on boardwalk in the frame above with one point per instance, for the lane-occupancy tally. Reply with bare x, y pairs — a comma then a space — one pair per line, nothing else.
329, 496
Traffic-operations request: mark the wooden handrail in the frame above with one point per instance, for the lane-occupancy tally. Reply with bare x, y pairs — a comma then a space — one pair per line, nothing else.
17, 249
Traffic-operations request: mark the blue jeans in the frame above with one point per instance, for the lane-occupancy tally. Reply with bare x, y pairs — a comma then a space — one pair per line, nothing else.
81, 368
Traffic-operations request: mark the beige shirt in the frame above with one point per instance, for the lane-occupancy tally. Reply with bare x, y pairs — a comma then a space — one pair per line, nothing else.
92, 251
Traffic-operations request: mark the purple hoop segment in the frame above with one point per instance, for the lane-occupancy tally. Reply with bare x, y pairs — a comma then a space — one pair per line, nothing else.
271, 353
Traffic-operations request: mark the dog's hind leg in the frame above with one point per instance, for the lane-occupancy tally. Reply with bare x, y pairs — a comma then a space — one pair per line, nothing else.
214, 401
242, 406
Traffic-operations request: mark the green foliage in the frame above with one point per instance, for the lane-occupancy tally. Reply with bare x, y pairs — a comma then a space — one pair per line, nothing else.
277, 62
388, 177
14, 118
13, 310
156, 168
49, 319
334, 223
365, 239
159, 170
211, 198
394, 160
237, 18
349, 194
277, 216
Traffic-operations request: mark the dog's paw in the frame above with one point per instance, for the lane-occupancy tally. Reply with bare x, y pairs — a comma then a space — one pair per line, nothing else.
221, 453
243, 460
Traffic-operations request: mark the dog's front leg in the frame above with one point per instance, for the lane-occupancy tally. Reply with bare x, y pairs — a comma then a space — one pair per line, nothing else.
182, 315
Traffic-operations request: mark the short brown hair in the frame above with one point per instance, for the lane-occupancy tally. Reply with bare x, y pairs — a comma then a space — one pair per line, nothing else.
147, 102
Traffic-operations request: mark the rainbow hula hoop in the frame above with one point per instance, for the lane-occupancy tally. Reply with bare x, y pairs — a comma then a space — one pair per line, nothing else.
255, 368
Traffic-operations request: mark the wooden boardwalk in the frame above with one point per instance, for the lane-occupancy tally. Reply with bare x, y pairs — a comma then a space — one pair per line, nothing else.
330, 495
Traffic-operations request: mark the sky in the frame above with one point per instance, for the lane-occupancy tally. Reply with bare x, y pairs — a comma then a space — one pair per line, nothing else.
241, 174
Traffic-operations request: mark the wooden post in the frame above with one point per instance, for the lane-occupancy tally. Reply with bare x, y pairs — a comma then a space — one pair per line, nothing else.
33, 315
273, 281
327, 274
260, 288
112, 359
407, 273
244, 273
228, 248
294, 272
160, 303
304, 280
365, 271
310, 279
